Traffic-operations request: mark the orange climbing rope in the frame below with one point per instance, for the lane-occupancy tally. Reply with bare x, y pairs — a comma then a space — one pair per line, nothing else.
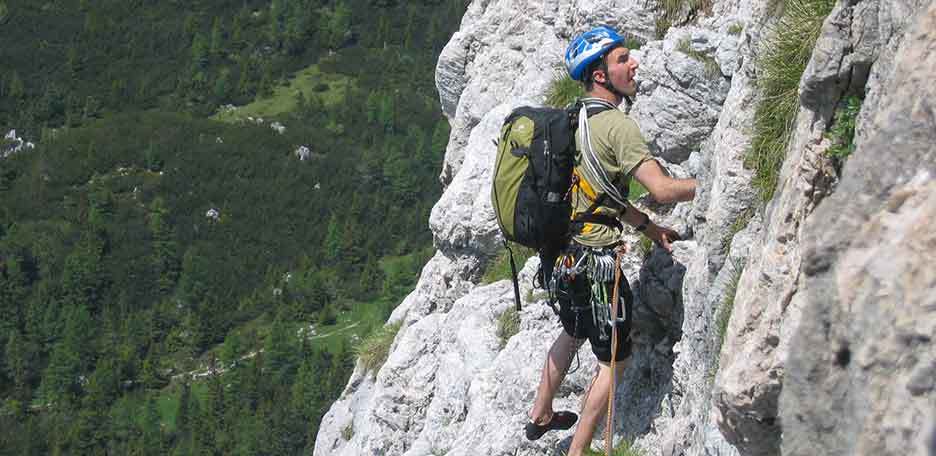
609, 427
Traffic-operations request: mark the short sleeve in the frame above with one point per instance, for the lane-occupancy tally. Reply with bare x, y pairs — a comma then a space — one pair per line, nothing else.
628, 144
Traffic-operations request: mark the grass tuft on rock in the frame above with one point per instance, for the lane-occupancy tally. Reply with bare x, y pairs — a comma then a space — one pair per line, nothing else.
499, 268
644, 246
679, 12
375, 348
624, 448
508, 325
842, 131
724, 313
563, 90
786, 53
740, 223
347, 432
712, 70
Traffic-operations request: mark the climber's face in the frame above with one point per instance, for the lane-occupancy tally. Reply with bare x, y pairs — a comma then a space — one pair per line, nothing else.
622, 67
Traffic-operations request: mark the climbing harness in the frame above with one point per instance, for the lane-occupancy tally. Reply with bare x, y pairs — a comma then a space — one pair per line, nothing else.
600, 268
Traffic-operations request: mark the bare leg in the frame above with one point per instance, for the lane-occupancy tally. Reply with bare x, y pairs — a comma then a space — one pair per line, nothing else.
595, 407
554, 370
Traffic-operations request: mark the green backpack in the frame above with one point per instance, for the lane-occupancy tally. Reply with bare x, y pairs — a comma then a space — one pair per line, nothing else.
532, 182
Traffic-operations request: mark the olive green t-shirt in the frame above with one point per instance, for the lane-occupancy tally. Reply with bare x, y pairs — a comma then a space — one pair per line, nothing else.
620, 147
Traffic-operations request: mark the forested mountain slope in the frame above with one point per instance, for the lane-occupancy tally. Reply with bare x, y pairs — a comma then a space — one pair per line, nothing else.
232, 185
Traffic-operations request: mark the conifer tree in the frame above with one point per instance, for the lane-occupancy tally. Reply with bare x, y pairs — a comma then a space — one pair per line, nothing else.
21, 362
200, 51
83, 276
339, 24
333, 238
278, 352
151, 431
60, 380
276, 14
215, 412
237, 29
14, 285
182, 411
217, 38
244, 81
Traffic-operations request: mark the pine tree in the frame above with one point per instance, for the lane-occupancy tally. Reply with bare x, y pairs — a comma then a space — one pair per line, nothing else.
266, 82
278, 352
244, 82
222, 85
14, 286
339, 25
151, 430
90, 433
237, 30
72, 61
200, 51
83, 281
21, 363
182, 411
217, 38
216, 405
16, 88
333, 237
276, 14
60, 380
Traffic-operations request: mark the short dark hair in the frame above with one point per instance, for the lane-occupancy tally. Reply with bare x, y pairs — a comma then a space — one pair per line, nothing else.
600, 64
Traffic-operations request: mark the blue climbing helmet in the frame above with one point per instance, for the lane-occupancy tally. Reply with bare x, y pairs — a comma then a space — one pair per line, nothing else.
588, 47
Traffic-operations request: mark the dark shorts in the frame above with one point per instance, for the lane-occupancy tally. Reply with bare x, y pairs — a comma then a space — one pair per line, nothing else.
578, 321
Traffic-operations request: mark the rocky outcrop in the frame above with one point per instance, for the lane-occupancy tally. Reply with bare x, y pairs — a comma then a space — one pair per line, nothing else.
451, 386
683, 83
862, 363
11, 144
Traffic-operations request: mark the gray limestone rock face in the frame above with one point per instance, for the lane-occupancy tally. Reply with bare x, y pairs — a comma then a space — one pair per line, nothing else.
861, 365
682, 88
769, 303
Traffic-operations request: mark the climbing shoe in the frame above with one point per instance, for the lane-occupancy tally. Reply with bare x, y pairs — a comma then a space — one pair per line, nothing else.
560, 421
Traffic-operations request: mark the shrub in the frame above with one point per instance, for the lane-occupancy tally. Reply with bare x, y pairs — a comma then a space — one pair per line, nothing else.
786, 53
842, 132
374, 349
735, 29
508, 325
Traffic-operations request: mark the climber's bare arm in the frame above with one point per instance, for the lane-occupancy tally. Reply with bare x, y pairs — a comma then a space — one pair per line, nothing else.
663, 188
662, 236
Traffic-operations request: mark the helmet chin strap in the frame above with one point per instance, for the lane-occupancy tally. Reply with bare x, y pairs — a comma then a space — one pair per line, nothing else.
614, 90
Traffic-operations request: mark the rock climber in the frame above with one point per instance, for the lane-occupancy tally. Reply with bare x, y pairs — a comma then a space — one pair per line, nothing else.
600, 60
